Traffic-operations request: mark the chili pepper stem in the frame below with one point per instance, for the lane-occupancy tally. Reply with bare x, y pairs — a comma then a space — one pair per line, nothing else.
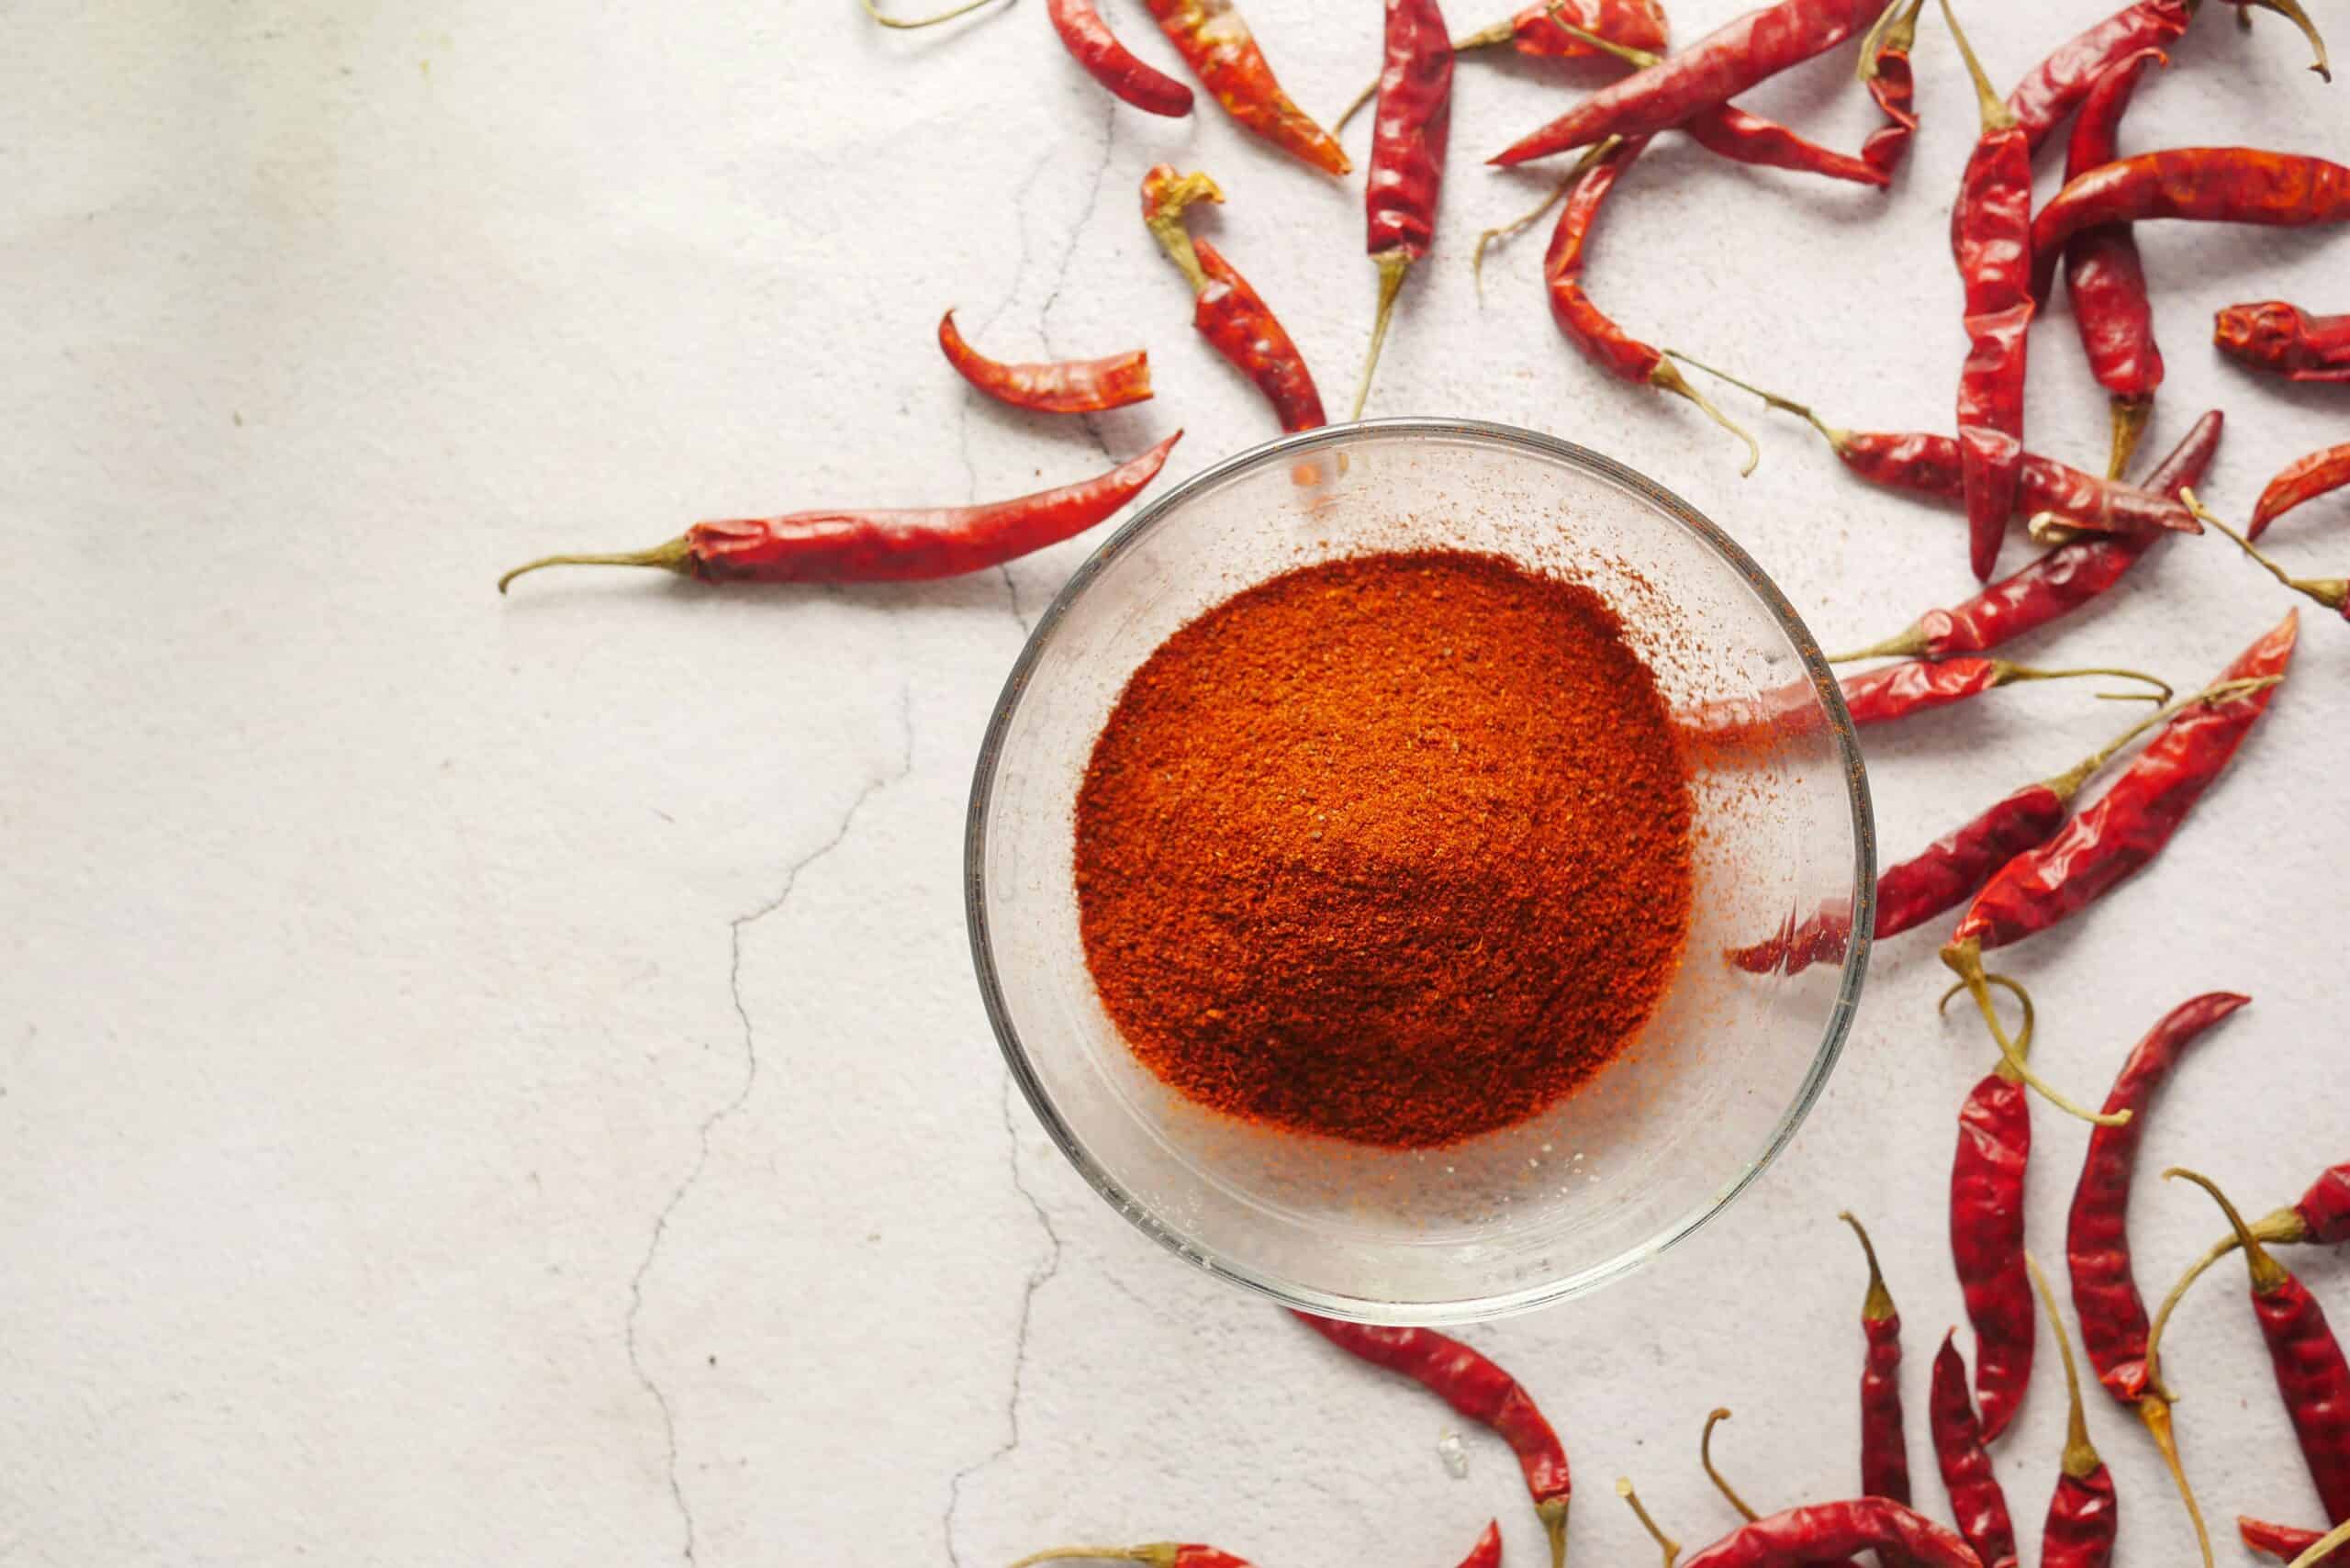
1393, 267
1640, 58
2266, 1272
1669, 1546
2291, 11
1837, 439
1670, 380
1966, 959
2010, 674
2080, 1455
2282, 1225
1161, 1553
2131, 410
1526, 220
1895, 31
1877, 1306
2323, 1547
1485, 37
1997, 116
1705, 1456
1339, 127
1552, 1512
910, 24
2153, 1409
2332, 592
674, 556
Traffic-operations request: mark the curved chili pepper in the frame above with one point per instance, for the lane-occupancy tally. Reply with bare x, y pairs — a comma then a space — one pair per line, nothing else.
1093, 45
1987, 1178
1884, 1452
1602, 341
1977, 1501
906, 545
2283, 1542
1884, 70
1066, 386
1486, 1554
1408, 137
2082, 1516
1479, 1390
2332, 592
1990, 237
2206, 184
2104, 276
2275, 336
2303, 479
1714, 70
2060, 581
2312, 1378
1819, 1533
1216, 44
1225, 310
2057, 84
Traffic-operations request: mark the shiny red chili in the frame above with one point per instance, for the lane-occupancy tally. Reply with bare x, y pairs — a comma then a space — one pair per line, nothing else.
1225, 310
2111, 308
2056, 85
1216, 44
2303, 479
1090, 42
1976, 1500
1408, 135
2206, 184
1823, 1532
1065, 386
2294, 343
1987, 1179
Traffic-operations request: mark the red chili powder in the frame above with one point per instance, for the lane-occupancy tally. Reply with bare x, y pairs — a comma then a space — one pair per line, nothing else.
1394, 848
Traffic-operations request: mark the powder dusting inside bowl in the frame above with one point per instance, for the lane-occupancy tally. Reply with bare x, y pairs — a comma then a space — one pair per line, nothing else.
1395, 848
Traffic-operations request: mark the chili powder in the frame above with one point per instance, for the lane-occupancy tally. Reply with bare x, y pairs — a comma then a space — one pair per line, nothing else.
1394, 848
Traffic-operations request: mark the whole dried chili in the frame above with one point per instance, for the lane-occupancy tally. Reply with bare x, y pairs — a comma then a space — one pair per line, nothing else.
1884, 71
1479, 1390
2206, 184
1949, 871
872, 546
2284, 1542
1065, 386
2275, 336
1822, 1532
1990, 237
2057, 583
1977, 1501
2082, 1514
1408, 137
1714, 70
1486, 1554
2055, 87
2104, 276
1987, 1177
2320, 1217
2332, 592
2303, 479
1093, 46
1924, 465
1225, 310
1602, 341
1884, 1451
2312, 1378
1216, 44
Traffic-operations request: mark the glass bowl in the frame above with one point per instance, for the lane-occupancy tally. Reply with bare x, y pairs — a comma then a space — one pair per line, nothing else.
1676, 1126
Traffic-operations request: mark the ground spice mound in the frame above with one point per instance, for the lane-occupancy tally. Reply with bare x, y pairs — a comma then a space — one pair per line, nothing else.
1395, 848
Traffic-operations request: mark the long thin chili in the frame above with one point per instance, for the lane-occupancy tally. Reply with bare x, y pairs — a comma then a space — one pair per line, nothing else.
883, 546
1481, 1390
1896, 692
2083, 1515
1987, 1178
1093, 46
1884, 1450
1486, 1554
1819, 1532
1976, 1500
1408, 136
1225, 310
2285, 340
1065, 386
2305, 479
2104, 275
1216, 44
2206, 184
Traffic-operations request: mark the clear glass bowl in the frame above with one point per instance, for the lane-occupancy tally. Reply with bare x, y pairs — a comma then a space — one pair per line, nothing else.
1672, 1130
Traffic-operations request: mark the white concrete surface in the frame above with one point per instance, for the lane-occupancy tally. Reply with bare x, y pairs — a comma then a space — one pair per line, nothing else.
499, 1080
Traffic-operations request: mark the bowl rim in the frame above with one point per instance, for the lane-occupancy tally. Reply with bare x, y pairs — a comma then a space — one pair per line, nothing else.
1289, 1293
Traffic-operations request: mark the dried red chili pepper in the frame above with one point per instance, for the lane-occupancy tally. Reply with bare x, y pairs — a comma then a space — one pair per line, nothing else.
2303, 479
1987, 1178
1990, 237
1714, 70
1884, 1452
1976, 1500
1925, 464
1819, 1532
1093, 45
1486, 1554
2283, 1542
1408, 137
873, 546
2312, 1378
1587, 326
2102, 273
2275, 336
2082, 1514
2057, 583
1884, 71
1066, 386
2056, 85
2206, 184
1562, 29
1225, 310
1896, 691
1479, 1390
1216, 44
2332, 592
2320, 1217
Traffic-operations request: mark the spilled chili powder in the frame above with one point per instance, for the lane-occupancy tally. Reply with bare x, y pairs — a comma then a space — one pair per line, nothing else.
1395, 848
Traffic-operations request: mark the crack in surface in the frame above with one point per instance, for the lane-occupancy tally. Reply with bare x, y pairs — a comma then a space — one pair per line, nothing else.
740, 1097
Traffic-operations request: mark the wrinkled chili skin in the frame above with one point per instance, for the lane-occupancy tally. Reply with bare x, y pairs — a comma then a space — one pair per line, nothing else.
1987, 1178
2129, 824
1093, 46
1730, 132
2283, 1542
1635, 24
1591, 330
1216, 44
2082, 1522
1895, 87
2326, 1207
1825, 1533
2275, 336
1409, 132
1714, 70
1931, 465
2303, 479
1487, 1551
1990, 237
2313, 1381
1066, 386
1885, 1457
2096, 1236
2055, 87
1977, 1501
2102, 272
1898, 690
1235, 319
2208, 184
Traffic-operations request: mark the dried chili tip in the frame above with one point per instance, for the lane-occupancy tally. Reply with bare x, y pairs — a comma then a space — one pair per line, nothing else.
1063, 387
2291, 11
2332, 592
1966, 959
2303, 479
